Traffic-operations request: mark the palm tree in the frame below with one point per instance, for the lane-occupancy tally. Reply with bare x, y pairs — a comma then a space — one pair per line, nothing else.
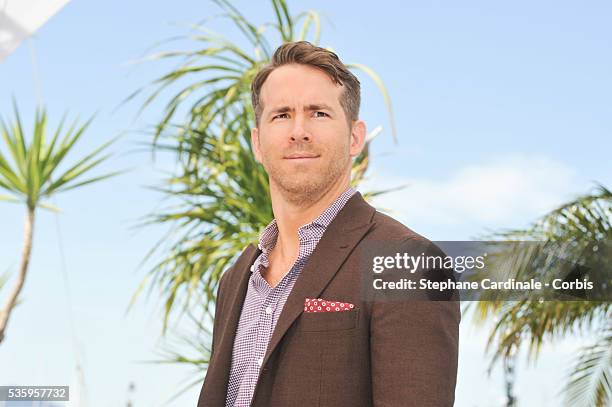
220, 193
30, 174
583, 229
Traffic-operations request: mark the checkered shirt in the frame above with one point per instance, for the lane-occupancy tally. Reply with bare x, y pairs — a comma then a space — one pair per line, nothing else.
263, 304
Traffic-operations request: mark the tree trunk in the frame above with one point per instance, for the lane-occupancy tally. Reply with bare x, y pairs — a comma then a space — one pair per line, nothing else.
5, 312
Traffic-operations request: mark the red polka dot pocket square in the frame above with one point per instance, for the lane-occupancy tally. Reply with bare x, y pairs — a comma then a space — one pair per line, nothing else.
321, 305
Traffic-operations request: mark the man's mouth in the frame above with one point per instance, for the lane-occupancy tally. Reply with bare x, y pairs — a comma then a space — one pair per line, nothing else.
301, 157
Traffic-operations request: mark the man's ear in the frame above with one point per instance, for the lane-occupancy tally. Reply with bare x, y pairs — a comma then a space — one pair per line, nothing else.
255, 144
358, 135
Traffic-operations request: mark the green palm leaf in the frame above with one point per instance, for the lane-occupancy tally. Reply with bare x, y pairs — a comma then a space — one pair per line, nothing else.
30, 173
578, 227
591, 377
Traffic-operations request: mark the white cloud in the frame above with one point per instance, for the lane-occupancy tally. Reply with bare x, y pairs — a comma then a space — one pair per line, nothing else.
497, 193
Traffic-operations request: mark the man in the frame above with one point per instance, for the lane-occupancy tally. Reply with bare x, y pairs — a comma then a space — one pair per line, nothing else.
270, 345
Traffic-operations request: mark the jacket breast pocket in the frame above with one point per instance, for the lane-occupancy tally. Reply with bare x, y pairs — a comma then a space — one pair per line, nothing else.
328, 321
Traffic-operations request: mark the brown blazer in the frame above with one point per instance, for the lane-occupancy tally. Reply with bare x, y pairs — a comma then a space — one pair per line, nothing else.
382, 353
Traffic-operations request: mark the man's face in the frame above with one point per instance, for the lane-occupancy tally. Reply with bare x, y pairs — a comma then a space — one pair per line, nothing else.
304, 140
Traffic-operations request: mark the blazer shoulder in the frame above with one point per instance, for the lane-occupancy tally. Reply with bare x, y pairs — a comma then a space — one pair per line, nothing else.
389, 229
386, 227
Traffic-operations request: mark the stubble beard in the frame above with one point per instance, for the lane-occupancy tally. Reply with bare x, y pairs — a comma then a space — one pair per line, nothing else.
304, 189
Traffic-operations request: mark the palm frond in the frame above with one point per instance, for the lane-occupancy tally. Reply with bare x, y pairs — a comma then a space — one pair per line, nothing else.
590, 382
30, 170
577, 233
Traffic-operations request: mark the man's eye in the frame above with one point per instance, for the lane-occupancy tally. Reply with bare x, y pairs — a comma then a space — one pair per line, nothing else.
321, 114
280, 116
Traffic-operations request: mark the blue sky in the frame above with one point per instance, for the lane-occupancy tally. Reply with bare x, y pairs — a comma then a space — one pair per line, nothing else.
502, 112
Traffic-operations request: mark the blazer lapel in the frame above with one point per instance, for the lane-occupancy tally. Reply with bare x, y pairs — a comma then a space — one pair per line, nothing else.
342, 235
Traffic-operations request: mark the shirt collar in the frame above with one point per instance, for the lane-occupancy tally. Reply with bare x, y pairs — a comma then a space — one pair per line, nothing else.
325, 218
267, 238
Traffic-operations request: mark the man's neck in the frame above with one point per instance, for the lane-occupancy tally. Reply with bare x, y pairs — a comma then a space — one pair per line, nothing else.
290, 217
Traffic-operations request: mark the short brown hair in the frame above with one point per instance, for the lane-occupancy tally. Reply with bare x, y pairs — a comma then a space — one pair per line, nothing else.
303, 52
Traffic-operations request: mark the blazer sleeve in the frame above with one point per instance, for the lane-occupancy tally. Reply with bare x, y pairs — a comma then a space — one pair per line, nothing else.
218, 309
414, 351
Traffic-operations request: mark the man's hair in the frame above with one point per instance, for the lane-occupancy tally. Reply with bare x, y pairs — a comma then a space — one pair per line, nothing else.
304, 53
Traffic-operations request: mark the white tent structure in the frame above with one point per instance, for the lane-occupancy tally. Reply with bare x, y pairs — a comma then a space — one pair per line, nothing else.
19, 19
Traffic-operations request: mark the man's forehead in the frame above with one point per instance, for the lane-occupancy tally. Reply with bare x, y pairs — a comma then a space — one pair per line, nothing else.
283, 99
292, 84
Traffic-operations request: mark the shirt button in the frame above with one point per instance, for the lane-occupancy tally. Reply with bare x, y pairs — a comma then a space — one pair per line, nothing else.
268, 310
260, 361
253, 267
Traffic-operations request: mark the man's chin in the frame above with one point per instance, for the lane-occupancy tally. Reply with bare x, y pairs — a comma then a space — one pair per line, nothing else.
301, 188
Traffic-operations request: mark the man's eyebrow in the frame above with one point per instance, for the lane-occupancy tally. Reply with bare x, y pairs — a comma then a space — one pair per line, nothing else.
319, 106
313, 106
281, 109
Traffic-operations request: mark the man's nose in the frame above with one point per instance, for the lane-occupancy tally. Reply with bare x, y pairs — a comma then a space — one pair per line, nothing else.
299, 131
